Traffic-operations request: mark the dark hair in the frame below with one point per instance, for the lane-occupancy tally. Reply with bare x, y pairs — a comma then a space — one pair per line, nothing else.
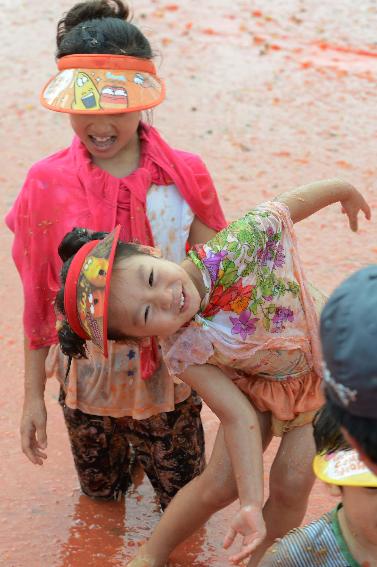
326, 430
71, 344
362, 429
100, 26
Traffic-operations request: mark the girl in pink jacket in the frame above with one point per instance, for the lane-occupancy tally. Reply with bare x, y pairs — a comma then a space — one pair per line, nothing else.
118, 170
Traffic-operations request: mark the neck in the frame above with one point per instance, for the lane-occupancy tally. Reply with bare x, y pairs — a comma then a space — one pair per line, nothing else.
362, 550
124, 162
195, 276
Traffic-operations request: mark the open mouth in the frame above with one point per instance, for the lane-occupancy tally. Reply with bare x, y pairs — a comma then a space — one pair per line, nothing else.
182, 302
102, 142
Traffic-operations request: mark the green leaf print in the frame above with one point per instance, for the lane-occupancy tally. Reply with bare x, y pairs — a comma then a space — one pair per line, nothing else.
266, 323
233, 246
294, 288
249, 269
230, 275
267, 285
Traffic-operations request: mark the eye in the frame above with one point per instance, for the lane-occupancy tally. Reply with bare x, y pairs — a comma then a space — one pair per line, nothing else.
146, 314
150, 281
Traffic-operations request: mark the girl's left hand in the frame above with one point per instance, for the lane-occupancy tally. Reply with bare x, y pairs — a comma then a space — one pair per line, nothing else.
249, 523
352, 205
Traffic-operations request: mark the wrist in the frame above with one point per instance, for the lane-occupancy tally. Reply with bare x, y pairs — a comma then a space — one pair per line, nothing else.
344, 189
34, 392
252, 506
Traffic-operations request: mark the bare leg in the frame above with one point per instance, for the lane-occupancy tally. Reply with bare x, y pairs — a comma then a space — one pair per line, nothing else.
291, 481
195, 503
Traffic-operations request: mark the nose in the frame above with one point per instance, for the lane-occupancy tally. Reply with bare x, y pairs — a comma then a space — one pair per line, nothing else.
165, 299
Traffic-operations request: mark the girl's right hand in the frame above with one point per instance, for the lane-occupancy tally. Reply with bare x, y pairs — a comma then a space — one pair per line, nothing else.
248, 523
33, 430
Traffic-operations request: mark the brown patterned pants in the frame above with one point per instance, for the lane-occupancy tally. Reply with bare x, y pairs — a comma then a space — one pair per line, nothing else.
168, 446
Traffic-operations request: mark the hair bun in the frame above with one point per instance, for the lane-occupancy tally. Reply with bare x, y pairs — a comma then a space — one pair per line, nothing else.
73, 241
90, 10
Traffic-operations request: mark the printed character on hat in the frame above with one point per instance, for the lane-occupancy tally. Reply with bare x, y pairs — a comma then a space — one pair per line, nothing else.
118, 170
347, 535
238, 323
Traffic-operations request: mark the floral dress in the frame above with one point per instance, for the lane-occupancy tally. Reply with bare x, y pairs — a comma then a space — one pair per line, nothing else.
258, 320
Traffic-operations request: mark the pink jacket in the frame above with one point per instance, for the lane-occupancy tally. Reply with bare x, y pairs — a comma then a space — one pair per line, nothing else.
66, 190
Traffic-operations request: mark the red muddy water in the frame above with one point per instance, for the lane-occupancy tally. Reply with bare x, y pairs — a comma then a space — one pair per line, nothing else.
272, 94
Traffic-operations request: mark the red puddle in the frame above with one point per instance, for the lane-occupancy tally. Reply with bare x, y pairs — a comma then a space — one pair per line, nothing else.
266, 114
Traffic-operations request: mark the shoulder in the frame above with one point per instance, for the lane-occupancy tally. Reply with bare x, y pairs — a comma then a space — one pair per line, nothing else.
194, 161
304, 547
60, 159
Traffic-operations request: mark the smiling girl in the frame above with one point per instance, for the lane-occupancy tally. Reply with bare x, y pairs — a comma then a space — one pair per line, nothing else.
117, 170
238, 324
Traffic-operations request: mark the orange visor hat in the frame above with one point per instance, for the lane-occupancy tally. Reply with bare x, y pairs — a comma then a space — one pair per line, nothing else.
103, 84
87, 287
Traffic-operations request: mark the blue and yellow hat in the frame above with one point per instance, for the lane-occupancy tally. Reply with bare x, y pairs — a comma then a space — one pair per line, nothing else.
343, 468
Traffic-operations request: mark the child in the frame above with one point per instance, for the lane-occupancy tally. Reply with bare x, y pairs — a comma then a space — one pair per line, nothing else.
238, 307
346, 536
118, 170
349, 338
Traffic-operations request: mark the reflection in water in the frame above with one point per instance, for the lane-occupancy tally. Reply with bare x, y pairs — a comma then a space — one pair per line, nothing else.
97, 531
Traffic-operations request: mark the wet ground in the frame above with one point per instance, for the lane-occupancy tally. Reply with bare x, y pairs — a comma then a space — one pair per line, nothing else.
272, 94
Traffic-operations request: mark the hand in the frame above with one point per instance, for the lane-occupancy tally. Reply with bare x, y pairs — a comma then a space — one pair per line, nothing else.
33, 431
250, 524
351, 206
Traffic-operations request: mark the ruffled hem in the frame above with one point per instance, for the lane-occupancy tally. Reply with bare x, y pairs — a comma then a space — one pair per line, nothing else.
285, 399
99, 387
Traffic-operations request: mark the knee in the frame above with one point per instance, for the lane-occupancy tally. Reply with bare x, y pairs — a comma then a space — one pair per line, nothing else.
100, 486
291, 489
215, 494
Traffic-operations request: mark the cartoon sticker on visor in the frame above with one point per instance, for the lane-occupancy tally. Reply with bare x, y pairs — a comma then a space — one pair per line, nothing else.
145, 81
86, 95
58, 85
113, 96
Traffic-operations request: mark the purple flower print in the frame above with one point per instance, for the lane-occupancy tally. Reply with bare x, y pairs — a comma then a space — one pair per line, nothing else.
282, 314
213, 262
272, 251
280, 256
244, 325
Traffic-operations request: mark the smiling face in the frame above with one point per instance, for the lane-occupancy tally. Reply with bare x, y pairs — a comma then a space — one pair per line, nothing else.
105, 135
150, 297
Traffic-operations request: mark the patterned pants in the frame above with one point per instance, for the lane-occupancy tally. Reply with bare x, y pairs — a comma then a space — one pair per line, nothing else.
169, 447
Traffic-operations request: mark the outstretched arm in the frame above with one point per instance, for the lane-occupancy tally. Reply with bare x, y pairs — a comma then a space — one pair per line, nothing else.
244, 443
308, 199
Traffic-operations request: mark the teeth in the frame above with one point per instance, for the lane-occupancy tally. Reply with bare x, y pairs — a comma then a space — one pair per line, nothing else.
101, 139
182, 302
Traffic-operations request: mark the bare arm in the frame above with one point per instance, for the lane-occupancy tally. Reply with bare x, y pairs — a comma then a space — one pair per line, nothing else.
200, 232
34, 416
308, 199
244, 443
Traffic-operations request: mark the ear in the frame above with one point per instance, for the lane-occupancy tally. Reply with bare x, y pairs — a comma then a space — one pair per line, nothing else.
150, 250
355, 445
333, 490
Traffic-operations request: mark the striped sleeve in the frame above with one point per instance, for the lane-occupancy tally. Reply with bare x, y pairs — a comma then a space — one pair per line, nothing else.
312, 545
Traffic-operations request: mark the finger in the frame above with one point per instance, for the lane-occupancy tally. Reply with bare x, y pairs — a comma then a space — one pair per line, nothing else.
352, 219
366, 210
39, 453
229, 538
41, 436
246, 551
27, 444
